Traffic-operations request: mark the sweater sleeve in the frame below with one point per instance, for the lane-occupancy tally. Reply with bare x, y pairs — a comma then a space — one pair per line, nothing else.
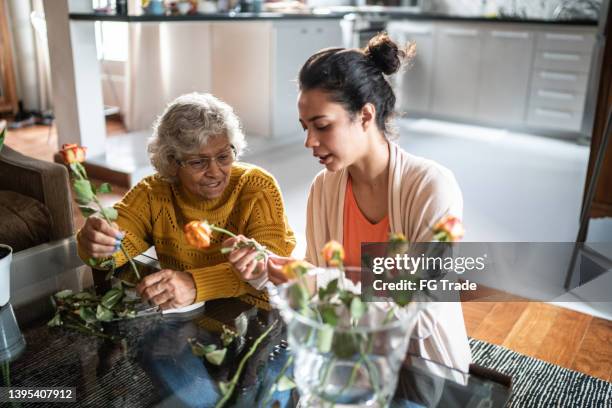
311, 251
437, 195
267, 222
134, 219
218, 281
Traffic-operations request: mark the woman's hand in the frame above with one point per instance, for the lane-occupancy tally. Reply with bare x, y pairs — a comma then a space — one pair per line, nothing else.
98, 238
275, 269
243, 259
168, 289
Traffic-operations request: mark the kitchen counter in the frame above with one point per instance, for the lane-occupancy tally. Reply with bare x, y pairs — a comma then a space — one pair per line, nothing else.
326, 13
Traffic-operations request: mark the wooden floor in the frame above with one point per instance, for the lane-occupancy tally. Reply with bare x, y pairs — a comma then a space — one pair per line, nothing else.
560, 336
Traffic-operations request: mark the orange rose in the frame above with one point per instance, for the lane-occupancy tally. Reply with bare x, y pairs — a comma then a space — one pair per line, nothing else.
398, 244
294, 269
449, 228
73, 153
197, 234
333, 253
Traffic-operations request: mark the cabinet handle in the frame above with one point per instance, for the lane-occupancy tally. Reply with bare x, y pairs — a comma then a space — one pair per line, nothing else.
558, 76
319, 30
461, 32
564, 37
558, 56
553, 113
556, 95
510, 34
304, 31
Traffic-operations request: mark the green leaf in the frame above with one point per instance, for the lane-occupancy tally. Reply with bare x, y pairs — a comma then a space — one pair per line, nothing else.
111, 298
358, 308
402, 297
104, 188
228, 336
85, 296
63, 294
346, 345
199, 349
84, 193
224, 387
284, 384
328, 313
56, 321
110, 213
107, 263
2, 135
78, 170
87, 314
346, 297
298, 296
329, 291
103, 314
216, 357
92, 261
87, 210
325, 335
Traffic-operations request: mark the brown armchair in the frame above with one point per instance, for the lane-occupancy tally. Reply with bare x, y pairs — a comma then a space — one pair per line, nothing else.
35, 200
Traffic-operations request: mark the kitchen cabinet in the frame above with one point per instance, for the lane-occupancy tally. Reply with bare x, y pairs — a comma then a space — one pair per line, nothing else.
456, 76
559, 79
505, 71
524, 76
292, 44
255, 67
413, 85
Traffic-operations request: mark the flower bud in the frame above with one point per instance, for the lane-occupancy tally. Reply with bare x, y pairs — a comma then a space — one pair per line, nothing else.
448, 229
198, 233
333, 253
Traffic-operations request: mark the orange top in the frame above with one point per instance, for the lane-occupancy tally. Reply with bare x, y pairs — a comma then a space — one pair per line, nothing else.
358, 229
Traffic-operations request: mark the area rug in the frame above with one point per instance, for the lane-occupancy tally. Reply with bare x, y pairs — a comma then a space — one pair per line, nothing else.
536, 383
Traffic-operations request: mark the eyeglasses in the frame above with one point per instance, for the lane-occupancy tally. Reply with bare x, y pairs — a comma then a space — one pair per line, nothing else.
203, 163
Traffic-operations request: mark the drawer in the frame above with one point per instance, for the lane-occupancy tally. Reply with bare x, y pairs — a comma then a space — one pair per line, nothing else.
559, 80
553, 98
563, 61
557, 119
566, 41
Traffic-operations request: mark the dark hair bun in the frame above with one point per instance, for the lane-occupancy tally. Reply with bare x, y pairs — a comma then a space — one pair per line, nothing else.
385, 54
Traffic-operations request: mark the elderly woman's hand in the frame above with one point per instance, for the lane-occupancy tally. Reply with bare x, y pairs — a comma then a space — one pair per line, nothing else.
243, 259
98, 238
168, 289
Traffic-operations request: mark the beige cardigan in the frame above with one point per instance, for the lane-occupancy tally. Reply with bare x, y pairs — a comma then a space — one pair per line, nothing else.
420, 193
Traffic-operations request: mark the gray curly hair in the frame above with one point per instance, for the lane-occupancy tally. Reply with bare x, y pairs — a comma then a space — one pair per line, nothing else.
186, 125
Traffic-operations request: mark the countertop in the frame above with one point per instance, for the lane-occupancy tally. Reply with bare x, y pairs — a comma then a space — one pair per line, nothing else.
393, 13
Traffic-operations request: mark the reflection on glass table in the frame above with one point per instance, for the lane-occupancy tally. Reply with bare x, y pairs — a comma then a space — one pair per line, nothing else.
153, 363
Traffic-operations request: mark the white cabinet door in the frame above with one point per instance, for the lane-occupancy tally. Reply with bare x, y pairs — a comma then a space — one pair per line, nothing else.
456, 72
295, 41
413, 85
504, 76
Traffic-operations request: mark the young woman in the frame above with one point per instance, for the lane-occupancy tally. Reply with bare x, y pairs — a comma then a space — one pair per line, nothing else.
370, 187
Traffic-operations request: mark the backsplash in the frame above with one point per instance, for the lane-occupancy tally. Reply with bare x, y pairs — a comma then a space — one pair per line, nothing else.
544, 9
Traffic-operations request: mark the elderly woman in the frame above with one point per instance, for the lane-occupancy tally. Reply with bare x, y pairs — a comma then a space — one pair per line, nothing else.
194, 148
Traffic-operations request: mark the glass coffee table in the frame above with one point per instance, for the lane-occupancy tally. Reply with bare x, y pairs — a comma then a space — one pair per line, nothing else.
153, 364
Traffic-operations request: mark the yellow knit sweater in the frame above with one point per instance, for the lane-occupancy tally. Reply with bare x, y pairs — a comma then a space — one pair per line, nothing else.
153, 213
